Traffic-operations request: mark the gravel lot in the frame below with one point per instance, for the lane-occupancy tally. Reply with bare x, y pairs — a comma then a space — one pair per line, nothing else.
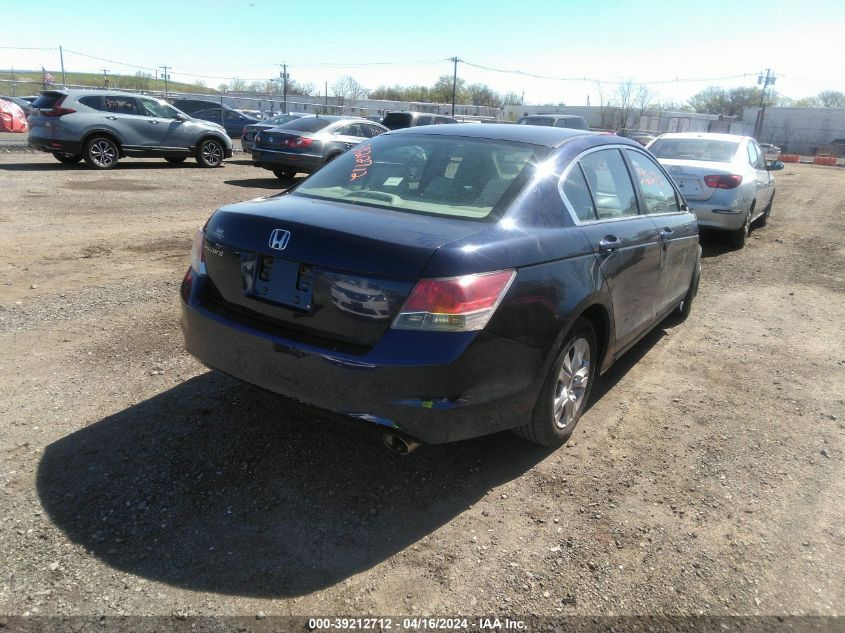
706, 478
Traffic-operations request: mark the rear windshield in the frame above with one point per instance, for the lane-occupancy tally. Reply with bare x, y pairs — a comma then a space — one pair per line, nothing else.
279, 119
397, 120
307, 124
437, 175
694, 149
47, 101
537, 120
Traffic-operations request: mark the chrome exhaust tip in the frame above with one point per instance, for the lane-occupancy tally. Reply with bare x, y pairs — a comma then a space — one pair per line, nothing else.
399, 443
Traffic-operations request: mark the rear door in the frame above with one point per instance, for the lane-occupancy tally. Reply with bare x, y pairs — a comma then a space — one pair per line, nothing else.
625, 241
677, 229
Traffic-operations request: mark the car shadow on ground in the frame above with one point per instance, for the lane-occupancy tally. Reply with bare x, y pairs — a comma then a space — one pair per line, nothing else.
627, 361
213, 486
714, 243
262, 183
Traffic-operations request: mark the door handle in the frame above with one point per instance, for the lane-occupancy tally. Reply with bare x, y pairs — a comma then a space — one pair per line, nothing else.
153, 121
112, 118
609, 243
665, 233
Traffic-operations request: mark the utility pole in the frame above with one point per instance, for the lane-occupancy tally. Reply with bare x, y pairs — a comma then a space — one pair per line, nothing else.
13, 82
62, 61
165, 76
766, 80
105, 77
455, 60
326, 97
284, 77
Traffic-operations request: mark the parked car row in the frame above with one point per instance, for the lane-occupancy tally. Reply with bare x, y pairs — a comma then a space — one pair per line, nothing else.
448, 281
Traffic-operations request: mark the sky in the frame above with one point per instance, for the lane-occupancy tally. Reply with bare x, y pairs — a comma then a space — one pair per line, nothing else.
583, 49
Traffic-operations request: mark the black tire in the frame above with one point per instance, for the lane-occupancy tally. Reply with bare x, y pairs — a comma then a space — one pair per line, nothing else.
175, 159
67, 159
284, 174
685, 306
210, 153
740, 236
331, 157
763, 220
551, 423
101, 152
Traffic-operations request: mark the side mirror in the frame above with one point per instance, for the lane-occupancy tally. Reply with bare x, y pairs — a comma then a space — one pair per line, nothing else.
775, 165
180, 117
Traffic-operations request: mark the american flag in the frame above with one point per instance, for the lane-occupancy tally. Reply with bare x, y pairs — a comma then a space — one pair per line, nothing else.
46, 78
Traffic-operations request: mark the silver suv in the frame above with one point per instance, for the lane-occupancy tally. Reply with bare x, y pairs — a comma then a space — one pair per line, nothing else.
102, 126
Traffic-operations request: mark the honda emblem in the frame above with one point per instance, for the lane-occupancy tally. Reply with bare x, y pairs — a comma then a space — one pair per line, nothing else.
279, 239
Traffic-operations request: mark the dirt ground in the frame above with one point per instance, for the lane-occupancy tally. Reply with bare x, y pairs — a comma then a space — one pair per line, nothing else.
706, 478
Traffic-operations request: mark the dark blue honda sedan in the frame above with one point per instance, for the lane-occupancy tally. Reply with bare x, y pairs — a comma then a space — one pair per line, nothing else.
446, 281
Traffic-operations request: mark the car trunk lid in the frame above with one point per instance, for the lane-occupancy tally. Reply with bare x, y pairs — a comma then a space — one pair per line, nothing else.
689, 176
331, 270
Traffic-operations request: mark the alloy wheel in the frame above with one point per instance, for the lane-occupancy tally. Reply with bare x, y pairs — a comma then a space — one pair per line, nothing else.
572, 382
103, 153
212, 153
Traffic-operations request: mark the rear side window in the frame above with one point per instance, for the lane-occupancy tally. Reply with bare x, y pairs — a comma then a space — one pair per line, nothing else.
371, 130
610, 184
578, 193
424, 120
121, 105
658, 193
92, 102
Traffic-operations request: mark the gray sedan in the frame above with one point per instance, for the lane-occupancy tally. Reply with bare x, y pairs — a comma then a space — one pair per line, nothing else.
304, 145
725, 178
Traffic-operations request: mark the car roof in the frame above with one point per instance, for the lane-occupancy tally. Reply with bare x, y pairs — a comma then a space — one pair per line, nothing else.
532, 134
707, 136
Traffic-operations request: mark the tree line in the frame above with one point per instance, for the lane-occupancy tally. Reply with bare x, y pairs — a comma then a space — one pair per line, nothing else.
628, 96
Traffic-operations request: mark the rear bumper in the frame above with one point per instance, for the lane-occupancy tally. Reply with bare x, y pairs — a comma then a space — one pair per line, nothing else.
271, 159
716, 217
51, 145
246, 145
436, 387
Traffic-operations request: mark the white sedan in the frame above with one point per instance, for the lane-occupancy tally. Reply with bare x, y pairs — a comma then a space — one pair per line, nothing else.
725, 179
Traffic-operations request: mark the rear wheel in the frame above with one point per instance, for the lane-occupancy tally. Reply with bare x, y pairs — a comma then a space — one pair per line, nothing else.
210, 153
739, 237
68, 159
101, 153
284, 174
175, 159
331, 157
566, 389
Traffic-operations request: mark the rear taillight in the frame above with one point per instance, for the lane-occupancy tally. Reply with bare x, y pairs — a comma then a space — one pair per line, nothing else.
298, 142
723, 181
198, 252
454, 304
57, 110
187, 282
